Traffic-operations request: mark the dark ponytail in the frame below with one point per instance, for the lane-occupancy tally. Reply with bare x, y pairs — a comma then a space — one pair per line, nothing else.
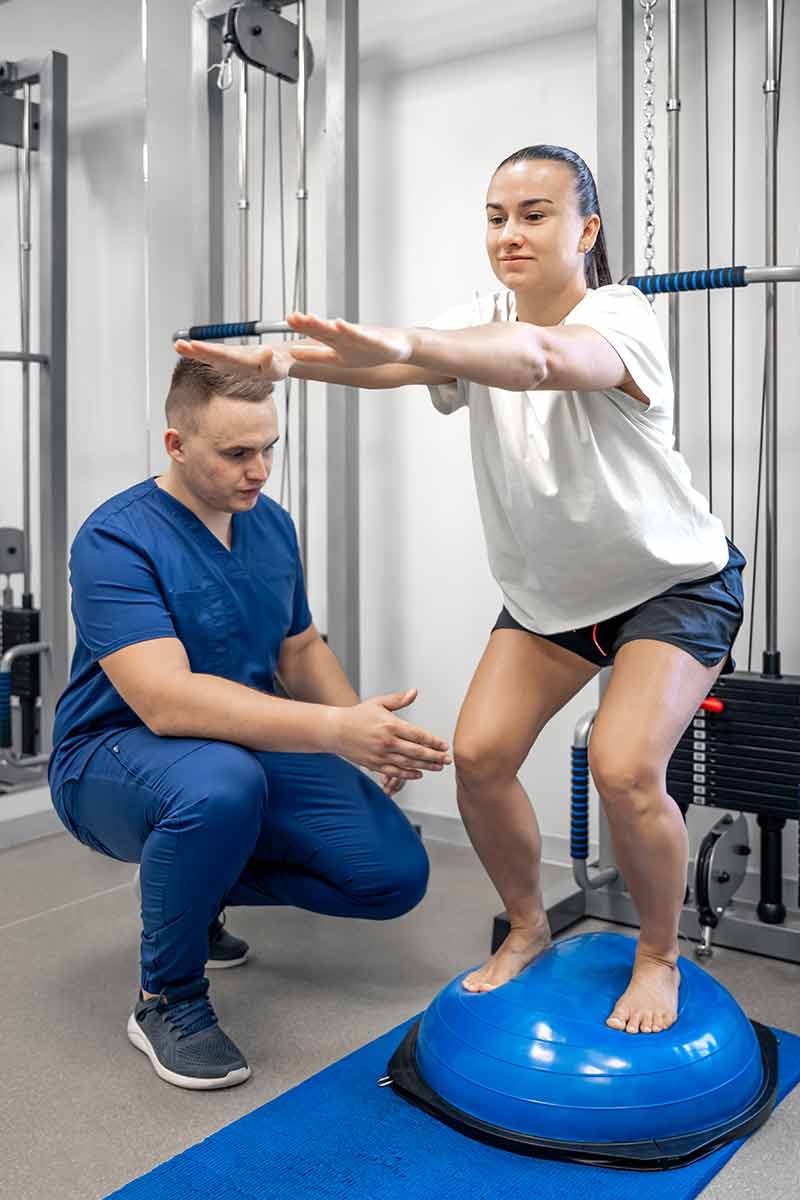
596, 266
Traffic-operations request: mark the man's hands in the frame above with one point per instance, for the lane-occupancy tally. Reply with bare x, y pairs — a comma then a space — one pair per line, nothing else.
371, 735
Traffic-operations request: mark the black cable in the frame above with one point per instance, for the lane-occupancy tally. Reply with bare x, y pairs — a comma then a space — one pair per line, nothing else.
733, 259
708, 260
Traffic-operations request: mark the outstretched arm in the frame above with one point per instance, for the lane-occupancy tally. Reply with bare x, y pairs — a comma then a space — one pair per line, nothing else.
276, 362
516, 356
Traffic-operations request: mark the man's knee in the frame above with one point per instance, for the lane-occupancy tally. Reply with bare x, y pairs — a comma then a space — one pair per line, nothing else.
405, 880
228, 792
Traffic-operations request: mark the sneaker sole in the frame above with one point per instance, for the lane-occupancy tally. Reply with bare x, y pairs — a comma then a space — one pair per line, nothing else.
216, 964
142, 1042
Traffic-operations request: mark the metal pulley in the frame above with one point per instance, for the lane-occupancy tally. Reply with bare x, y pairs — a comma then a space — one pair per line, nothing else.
264, 39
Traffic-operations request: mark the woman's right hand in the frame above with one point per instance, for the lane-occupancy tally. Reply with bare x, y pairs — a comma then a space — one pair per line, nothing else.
371, 735
272, 362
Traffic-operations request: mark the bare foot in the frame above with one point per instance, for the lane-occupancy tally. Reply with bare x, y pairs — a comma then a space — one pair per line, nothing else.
649, 1004
523, 944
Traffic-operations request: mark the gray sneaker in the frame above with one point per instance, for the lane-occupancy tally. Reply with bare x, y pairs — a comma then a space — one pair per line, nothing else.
224, 948
179, 1033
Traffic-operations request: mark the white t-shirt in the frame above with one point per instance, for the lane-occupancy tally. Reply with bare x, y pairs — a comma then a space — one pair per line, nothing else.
587, 507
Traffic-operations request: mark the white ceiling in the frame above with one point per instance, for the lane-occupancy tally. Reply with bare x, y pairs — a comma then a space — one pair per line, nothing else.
409, 33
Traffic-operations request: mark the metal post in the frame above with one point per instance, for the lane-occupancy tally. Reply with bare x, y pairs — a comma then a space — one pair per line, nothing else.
25, 334
616, 141
244, 200
771, 86
53, 383
207, 160
616, 134
302, 272
673, 172
342, 300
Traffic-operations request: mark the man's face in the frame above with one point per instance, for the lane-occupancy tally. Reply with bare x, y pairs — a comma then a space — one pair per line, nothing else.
227, 460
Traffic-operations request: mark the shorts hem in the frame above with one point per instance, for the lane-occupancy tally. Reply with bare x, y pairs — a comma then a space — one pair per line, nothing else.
643, 637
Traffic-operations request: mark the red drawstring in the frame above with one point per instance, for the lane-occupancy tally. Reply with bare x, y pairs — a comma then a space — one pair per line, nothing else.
594, 639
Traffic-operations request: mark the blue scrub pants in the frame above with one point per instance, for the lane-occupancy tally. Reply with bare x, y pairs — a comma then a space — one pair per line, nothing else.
215, 825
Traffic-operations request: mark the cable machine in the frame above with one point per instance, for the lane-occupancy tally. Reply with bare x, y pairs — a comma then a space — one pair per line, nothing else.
742, 750
33, 650
253, 34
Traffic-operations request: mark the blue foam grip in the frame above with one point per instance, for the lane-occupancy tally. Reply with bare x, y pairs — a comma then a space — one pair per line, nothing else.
579, 811
689, 281
207, 333
5, 708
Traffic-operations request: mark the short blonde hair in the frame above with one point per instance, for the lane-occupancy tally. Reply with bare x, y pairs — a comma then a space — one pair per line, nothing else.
195, 383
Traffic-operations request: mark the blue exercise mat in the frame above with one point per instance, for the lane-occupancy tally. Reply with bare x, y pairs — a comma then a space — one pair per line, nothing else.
338, 1136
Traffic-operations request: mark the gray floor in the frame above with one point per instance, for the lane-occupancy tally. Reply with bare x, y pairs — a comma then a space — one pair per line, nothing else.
81, 1111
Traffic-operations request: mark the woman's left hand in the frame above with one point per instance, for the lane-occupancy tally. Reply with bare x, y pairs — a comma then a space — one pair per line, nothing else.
347, 345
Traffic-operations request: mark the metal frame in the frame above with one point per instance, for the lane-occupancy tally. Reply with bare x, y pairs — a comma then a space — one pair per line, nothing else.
341, 80
674, 214
50, 142
341, 145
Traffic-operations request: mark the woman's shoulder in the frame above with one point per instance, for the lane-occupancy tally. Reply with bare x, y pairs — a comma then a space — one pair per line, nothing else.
617, 302
615, 294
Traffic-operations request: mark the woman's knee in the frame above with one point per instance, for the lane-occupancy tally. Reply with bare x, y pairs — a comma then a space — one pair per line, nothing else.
481, 763
626, 781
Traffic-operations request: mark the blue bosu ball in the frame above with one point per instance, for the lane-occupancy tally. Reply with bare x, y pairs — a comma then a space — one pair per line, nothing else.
533, 1066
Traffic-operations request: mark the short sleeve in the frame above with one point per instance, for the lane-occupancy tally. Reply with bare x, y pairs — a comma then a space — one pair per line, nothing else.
301, 613
116, 598
624, 317
448, 397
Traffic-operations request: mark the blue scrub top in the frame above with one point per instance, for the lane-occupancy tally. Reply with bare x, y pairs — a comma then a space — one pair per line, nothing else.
143, 566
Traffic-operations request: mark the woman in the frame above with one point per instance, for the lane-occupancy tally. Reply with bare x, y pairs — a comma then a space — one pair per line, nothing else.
604, 552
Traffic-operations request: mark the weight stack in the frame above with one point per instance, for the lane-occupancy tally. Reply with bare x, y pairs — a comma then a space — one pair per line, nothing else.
21, 625
746, 755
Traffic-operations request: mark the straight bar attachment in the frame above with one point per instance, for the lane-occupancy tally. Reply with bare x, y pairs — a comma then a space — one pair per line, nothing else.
708, 280
230, 329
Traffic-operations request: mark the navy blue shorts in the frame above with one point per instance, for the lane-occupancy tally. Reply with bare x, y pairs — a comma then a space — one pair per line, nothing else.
702, 617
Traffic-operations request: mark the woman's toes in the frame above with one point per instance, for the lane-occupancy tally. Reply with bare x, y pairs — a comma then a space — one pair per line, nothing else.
618, 1019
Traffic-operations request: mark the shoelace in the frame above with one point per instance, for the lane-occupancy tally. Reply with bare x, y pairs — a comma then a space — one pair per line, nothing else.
190, 1016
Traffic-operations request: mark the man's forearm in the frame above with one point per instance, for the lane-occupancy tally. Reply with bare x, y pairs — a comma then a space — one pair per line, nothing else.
208, 706
505, 355
315, 675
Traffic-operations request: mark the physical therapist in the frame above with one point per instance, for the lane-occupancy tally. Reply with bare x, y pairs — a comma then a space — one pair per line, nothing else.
171, 748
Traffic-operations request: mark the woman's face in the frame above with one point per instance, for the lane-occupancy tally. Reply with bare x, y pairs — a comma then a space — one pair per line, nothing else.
535, 235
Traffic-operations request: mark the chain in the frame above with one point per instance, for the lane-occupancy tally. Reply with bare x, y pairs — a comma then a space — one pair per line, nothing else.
649, 135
